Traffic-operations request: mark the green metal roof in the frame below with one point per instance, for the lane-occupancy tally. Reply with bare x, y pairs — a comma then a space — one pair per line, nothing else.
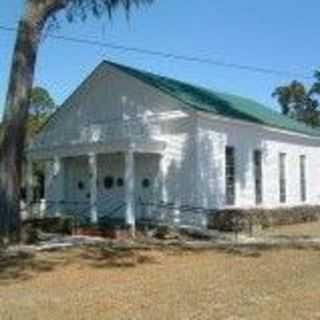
226, 105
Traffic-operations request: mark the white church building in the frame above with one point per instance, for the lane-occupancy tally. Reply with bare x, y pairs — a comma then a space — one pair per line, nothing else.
132, 145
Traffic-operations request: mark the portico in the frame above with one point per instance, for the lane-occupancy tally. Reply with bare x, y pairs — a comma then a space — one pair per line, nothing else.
97, 180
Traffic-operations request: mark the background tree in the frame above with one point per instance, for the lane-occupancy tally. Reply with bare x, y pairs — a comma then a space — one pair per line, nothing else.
41, 108
299, 102
41, 103
34, 18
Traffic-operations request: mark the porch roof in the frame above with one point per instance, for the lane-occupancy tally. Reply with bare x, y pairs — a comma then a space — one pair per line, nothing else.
156, 147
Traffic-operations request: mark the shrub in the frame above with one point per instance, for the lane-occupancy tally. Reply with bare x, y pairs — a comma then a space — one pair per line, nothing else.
30, 234
62, 225
246, 219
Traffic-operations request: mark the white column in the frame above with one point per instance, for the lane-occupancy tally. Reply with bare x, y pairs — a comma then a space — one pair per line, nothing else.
93, 187
58, 174
130, 190
48, 177
198, 172
29, 187
177, 212
163, 170
43, 207
200, 178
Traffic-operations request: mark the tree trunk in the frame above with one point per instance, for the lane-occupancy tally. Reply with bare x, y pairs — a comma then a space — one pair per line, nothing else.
14, 123
12, 137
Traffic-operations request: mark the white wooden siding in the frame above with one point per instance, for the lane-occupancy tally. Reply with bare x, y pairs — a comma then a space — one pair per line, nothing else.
246, 138
191, 168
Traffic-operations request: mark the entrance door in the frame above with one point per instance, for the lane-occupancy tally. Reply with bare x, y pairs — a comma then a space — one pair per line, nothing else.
147, 169
111, 186
77, 190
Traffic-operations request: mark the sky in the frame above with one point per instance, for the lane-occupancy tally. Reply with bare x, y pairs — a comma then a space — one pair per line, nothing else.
274, 34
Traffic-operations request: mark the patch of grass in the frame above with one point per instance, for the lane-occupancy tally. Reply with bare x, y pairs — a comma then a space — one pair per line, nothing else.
105, 283
166, 281
311, 229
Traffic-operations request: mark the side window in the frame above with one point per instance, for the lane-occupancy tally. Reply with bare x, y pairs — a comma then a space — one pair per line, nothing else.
230, 175
303, 183
282, 178
257, 160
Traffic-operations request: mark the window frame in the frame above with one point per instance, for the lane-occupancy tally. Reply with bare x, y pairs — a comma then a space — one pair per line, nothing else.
258, 176
230, 175
303, 177
283, 177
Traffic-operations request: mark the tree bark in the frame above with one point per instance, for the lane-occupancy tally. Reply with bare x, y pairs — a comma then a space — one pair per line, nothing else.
12, 139
12, 136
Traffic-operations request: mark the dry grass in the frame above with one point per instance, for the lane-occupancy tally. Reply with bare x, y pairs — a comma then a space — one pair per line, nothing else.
108, 283
311, 229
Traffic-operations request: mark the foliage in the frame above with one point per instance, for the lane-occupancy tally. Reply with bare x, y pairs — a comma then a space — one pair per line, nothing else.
41, 108
41, 103
60, 225
300, 102
246, 219
82, 9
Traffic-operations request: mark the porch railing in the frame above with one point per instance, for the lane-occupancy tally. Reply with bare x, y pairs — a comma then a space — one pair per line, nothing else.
155, 212
171, 213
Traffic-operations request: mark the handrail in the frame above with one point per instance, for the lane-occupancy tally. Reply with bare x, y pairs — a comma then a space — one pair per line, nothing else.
115, 205
173, 206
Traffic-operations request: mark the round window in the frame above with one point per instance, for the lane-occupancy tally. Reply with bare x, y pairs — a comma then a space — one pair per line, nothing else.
145, 183
80, 185
120, 182
108, 182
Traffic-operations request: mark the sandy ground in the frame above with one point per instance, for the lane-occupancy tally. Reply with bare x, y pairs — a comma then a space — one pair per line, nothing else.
95, 283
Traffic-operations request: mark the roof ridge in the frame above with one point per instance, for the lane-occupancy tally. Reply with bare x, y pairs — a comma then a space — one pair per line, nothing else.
220, 103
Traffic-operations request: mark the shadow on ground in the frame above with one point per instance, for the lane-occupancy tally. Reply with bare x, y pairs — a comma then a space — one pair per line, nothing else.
18, 265
21, 265
123, 257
